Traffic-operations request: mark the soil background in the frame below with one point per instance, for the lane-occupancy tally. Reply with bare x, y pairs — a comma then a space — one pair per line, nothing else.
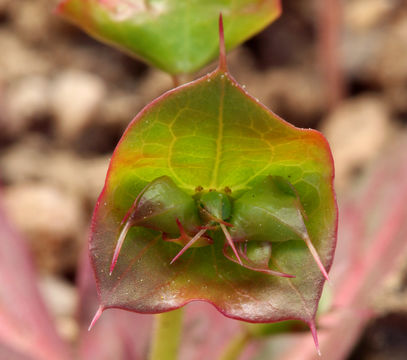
65, 100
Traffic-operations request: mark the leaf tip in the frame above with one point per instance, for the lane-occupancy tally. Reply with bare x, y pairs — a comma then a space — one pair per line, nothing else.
222, 50
313, 329
96, 317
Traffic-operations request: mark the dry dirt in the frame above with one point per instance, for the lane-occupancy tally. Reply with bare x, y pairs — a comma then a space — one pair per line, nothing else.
65, 100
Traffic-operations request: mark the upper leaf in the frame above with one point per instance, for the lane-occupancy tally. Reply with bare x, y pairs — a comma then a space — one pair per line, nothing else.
210, 134
175, 36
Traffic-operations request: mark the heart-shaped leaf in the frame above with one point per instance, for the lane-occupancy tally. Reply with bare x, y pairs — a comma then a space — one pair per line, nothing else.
175, 36
210, 135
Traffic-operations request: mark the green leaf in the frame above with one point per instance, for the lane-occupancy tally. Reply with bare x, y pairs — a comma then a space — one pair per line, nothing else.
175, 36
210, 135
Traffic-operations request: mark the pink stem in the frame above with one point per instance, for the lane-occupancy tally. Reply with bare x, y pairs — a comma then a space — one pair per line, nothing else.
329, 49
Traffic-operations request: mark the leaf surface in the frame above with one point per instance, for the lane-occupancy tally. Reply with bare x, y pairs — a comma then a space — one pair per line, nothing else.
175, 36
118, 335
130, 334
211, 134
372, 247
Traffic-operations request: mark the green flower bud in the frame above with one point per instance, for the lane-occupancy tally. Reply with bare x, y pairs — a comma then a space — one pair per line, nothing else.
216, 205
161, 204
270, 212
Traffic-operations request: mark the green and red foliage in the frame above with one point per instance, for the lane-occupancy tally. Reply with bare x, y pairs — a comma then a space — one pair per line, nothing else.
210, 135
175, 36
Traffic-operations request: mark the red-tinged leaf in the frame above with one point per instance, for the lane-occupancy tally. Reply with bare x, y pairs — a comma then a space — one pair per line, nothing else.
175, 36
123, 336
210, 135
372, 244
118, 335
26, 329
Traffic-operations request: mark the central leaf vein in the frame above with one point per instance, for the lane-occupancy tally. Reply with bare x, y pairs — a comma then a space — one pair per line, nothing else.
219, 137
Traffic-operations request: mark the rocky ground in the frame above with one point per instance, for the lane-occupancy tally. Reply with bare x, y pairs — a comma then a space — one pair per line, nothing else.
65, 100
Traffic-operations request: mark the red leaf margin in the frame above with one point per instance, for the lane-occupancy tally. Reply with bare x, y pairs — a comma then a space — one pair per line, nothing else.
318, 137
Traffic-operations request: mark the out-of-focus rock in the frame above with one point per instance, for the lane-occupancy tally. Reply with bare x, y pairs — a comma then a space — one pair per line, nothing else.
4, 4
363, 35
24, 161
389, 68
75, 98
156, 83
356, 131
61, 299
94, 174
396, 97
393, 296
362, 15
50, 219
295, 93
120, 108
17, 59
32, 161
32, 19
82, 177
26, 101
374, 36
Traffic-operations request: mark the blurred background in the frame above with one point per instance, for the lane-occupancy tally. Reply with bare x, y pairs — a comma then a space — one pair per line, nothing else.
65, 99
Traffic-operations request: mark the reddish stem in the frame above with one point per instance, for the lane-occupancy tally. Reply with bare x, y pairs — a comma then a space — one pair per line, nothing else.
329, 53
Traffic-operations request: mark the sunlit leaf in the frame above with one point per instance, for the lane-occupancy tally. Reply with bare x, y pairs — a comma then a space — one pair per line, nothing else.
175, 36
211, 136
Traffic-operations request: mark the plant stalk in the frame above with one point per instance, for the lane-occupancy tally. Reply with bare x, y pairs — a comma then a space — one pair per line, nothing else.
166, 338
235, 348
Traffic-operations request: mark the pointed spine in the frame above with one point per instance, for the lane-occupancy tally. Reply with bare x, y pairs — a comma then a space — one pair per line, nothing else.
316, 257
190, 243
231, 242
96, 317
119, 244
222, 51
313, 329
